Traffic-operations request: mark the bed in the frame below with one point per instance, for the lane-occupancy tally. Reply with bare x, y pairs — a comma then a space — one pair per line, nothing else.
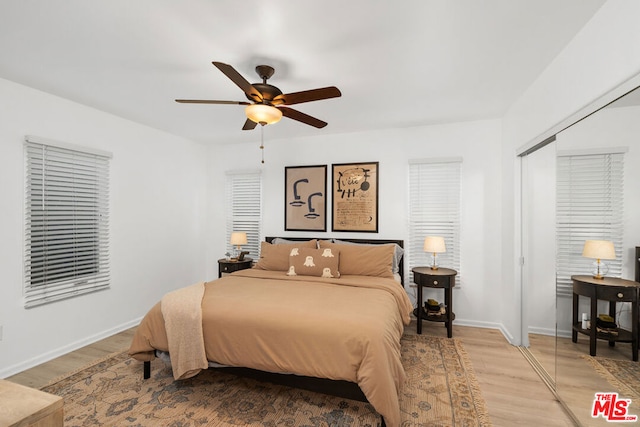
330, 312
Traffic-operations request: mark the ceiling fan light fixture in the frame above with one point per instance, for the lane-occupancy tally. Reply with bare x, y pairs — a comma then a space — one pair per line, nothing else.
263, 114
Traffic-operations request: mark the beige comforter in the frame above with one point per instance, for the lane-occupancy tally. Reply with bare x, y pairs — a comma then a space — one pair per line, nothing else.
345, 329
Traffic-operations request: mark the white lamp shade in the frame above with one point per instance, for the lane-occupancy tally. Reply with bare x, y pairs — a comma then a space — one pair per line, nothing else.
599, 249
261, 113
434, 244
238, 238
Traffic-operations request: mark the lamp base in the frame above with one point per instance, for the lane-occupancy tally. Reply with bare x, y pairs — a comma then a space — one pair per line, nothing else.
434, 261
599, 270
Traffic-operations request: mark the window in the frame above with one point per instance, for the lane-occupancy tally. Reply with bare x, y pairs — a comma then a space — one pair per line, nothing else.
434, 210
589, 207
66, 222
244, 209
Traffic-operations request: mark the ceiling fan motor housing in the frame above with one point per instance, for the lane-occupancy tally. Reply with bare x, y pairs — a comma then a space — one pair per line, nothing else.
268, 93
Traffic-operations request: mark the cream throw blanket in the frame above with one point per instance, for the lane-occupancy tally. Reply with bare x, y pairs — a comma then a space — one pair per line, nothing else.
182, 312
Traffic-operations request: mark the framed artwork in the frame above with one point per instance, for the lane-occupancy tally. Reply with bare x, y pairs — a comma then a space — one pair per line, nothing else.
355, 197
305, 195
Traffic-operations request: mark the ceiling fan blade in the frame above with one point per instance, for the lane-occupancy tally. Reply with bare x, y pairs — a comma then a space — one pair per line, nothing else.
302, 117
240, 81
307, 96
249, 125
210, 101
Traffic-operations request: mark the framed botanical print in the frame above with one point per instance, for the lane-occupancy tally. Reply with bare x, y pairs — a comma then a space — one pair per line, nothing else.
305, 195
355, 197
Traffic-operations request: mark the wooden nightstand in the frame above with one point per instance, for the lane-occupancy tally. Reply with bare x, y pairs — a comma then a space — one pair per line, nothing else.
444, 278
609, 289
225, 266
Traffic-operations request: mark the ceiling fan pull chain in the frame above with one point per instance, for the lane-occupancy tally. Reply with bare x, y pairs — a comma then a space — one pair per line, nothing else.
262, 141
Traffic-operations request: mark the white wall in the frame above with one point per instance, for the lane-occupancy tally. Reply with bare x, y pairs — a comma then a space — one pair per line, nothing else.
603, 55
157, 213
477, 142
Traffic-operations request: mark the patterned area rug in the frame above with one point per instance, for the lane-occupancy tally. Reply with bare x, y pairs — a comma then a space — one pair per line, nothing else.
623, 375
440, 390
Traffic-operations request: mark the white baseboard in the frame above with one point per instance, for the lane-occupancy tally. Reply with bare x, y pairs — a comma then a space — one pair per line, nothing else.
50, 355
564, 334
542, 331
486, 325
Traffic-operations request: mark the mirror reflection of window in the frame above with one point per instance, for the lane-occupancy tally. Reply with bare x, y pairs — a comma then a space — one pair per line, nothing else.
590, 206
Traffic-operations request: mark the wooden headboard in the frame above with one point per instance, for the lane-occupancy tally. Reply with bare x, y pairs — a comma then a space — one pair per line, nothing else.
367, 241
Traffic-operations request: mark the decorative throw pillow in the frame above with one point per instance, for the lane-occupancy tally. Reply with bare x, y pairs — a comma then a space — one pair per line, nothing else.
314, 262
276, 257
374, 260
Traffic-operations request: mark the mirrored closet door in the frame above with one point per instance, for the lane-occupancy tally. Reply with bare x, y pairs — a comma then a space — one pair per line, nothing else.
607, 145
603, 147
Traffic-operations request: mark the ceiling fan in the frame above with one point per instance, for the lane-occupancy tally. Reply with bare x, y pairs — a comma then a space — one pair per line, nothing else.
268, 103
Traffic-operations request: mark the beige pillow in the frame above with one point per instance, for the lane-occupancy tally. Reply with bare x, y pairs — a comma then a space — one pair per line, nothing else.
276, 257
364, 260
398, 251
314, 262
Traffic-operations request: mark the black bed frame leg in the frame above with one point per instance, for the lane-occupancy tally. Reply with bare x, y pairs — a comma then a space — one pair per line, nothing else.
147, 371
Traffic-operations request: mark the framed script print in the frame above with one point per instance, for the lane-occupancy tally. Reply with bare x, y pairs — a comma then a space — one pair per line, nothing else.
355, 197
305, 195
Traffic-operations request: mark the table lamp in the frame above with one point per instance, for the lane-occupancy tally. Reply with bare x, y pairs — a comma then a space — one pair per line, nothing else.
599, 249
435, 245
238, 238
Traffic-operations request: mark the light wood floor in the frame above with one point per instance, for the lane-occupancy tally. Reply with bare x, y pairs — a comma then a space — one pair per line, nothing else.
576, 380
513, 392
41, 375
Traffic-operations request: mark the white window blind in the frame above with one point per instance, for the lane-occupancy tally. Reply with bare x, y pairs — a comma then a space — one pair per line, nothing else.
589, 207
66, 222
434, 210
244, 209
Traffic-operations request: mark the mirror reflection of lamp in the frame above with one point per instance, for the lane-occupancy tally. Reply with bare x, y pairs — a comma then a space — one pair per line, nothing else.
434, 245
599, 250
238, 238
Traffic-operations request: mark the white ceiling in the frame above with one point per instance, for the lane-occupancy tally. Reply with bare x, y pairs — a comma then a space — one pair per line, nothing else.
397, 63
